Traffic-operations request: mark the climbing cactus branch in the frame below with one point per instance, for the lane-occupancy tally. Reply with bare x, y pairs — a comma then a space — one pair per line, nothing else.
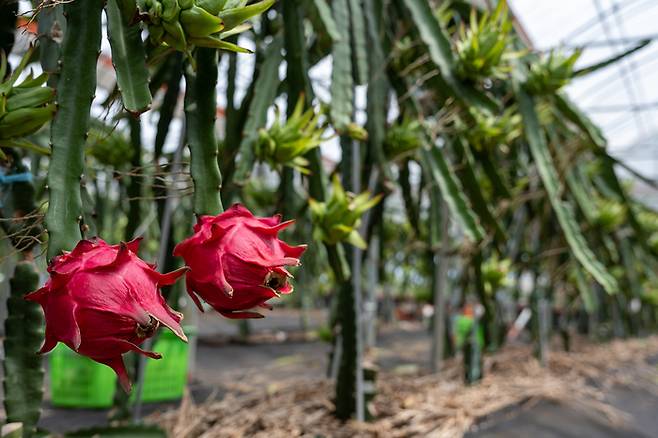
52, 25
128, 58
75, 92
23, 381
200, 111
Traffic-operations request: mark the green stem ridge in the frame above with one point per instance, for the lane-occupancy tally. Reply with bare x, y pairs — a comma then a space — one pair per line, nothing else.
296, 77
75, 91
298, 84
473, 189
553, 186
129, 59
342, 84
134, 189
173, 76
359, 43
378, 86
23, 369
346, 379
263, 97
51, 23
200, 112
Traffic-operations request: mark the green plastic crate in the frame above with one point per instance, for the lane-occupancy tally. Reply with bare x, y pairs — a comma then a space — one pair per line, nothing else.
79, 382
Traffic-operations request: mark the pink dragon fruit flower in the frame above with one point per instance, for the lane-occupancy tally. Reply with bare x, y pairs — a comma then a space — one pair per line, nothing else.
237, 262
103, 300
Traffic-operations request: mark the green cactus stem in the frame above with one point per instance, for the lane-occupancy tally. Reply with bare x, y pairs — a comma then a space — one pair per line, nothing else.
23, 369
346, 379
342, 89
263, 97
75, 92
378, 88
200, 111
134, 189
52, 25
128, 58
342, 84
173, 74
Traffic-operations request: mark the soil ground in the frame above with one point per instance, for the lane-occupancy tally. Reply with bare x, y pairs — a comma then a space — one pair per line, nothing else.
276, 353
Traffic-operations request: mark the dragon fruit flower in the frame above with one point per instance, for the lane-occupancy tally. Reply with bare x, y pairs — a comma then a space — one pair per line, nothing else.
103, 300
237, 262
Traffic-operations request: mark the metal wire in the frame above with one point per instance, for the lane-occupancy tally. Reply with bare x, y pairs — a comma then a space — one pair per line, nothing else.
589, 24
627, 74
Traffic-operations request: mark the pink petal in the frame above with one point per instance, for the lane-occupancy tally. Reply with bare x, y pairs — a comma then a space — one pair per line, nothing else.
38, 295
271, 221
168, 278
116, 363
292, 251
49, 343
164, 316
129, 346
235, 211
193, 295
60, 311
83, 246
241, 314
181, 248
272, 230
133, 245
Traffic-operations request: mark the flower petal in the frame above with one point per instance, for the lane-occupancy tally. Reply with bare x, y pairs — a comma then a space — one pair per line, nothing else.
168, 278
193, 295
116, 363
241, 314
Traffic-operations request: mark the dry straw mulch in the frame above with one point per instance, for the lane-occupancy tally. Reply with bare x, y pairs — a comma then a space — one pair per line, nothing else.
423, 405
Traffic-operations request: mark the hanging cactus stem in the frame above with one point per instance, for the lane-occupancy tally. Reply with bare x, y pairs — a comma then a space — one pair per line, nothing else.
200, 111
75, 93
129, 59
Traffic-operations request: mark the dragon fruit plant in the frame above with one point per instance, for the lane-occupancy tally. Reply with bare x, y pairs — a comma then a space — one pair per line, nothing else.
185, 24
103, 300
25, 106
286, 144
338, 219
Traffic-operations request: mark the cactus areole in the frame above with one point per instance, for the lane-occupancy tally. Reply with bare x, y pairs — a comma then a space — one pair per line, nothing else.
103, 300
237, 262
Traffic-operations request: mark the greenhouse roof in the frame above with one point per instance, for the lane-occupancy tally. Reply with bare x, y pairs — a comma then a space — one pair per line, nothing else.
622, 98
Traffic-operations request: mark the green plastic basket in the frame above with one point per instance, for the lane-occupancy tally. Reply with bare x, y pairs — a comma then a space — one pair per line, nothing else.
463, 326
79, 382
